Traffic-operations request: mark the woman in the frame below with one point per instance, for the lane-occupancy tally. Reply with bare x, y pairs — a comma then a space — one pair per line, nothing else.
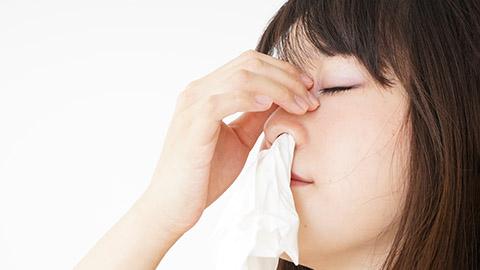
383, 100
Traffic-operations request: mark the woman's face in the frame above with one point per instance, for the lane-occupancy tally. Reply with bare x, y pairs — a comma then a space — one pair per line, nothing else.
346, 146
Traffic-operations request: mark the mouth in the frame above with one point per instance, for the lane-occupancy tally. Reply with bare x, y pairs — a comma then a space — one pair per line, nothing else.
296, 180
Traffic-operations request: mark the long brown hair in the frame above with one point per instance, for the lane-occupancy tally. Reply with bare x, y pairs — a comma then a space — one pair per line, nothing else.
433, 47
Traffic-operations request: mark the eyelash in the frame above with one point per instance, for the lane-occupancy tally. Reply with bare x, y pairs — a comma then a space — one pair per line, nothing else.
333, 90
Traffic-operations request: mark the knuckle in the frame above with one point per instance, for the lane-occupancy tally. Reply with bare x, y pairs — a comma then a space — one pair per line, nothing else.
249, 53
237, 95
185, 96
291, 69
300, 87
241, 76
285, 95
254, 63
210, 104
192, 84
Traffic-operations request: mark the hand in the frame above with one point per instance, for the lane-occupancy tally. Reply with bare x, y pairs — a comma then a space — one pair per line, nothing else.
201, 155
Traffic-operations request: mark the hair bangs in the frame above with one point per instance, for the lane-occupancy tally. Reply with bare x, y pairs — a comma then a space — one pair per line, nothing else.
298, 34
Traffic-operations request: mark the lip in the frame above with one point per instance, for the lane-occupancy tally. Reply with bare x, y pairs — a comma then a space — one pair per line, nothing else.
298, 180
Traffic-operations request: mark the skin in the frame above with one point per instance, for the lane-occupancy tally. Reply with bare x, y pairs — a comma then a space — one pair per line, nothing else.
201, 156
353, 149
343, 143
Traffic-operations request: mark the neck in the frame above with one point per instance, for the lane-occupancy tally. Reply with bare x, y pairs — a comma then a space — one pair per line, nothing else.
369, 256
360, 259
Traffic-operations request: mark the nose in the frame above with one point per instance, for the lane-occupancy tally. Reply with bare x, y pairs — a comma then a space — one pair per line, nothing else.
282, 122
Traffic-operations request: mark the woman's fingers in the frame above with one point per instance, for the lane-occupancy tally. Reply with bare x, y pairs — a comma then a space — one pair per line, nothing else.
253, 60
249, 54
299, 87
242, 83
294, 71
247, 91
249, 125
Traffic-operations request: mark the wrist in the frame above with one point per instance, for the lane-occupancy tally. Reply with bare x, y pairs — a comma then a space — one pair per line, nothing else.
156, 210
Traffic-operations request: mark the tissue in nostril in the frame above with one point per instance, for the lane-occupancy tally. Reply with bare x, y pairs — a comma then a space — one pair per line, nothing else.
259, 222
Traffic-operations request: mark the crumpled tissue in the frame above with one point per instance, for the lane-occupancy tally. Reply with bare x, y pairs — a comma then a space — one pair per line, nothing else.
259, 221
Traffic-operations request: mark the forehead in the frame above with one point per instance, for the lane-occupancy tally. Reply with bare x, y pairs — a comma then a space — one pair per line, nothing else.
297, 49
301, 53
319, 65
313, 49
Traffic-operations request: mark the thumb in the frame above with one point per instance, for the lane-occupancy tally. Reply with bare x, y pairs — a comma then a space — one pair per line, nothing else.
249, 125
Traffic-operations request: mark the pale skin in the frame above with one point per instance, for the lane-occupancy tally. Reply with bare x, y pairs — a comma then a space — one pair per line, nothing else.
345, 146
201, 156
354, 149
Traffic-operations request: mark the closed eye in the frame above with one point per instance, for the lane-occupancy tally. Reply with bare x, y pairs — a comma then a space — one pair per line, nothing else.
333, 90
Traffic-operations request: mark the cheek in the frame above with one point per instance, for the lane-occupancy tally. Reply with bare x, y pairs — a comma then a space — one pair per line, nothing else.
358, 189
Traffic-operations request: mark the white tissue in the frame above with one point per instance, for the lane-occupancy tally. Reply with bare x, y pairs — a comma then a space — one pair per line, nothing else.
260, 222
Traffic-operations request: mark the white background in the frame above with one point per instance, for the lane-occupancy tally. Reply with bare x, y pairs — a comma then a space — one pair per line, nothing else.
87, 89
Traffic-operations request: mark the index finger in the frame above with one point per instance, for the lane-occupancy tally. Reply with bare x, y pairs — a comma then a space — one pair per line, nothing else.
286, 66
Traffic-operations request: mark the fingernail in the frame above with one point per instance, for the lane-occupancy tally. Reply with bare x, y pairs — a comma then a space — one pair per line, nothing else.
263, 100
306, 79
301, 103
